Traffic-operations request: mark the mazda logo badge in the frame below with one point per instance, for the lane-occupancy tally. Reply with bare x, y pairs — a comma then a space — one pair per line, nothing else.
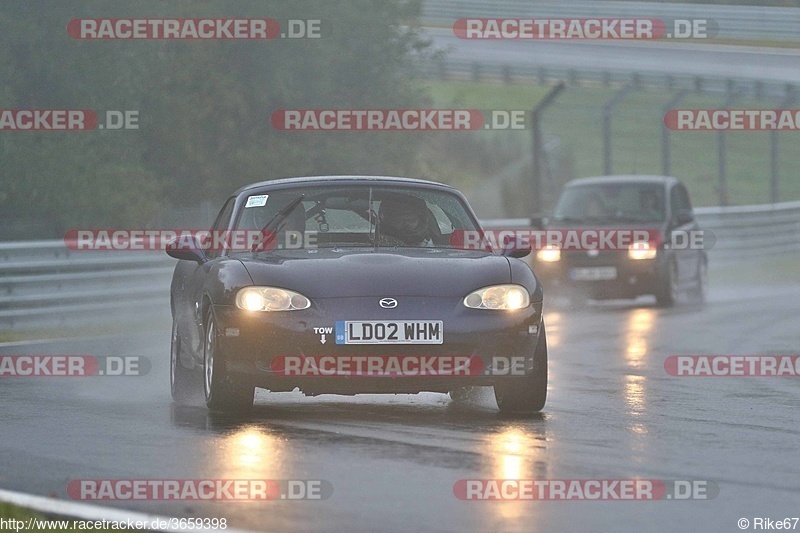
388, 303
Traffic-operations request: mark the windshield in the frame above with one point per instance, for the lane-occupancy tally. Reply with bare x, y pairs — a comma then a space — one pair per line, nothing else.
355, 216
625, 202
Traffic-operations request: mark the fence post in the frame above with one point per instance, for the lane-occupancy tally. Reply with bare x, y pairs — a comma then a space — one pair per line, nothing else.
665, 147
608, 113
722, 150
774, 191
538, 148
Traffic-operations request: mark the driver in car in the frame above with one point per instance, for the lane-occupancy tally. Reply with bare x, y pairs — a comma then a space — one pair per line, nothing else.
407, 219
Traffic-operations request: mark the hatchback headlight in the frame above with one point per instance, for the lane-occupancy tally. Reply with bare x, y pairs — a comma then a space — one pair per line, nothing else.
642, 250
270, 299
549, 254
501, 297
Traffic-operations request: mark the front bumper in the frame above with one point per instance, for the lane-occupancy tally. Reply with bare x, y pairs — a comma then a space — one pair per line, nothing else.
633, 277
250, 343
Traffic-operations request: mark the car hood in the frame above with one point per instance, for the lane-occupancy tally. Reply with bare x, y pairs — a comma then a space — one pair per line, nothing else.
333, 273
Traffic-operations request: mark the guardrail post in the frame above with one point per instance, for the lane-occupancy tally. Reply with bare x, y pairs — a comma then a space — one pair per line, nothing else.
476, 71
608, 113
774, 192
538, 148
507, 78
542, 74
722, 151
665, 146
441, 66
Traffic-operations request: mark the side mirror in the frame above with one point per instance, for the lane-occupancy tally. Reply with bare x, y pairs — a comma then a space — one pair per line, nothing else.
514, 247
684, 216
187, 249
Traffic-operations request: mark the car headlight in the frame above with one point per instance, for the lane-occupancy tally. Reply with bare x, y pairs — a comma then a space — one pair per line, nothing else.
270, 299
549, 254
642, 250
501, 297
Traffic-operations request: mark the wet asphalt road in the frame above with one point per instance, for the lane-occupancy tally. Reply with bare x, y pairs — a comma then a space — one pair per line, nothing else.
613, 412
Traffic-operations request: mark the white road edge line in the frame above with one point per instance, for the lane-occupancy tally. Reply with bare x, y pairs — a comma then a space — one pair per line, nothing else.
87, 512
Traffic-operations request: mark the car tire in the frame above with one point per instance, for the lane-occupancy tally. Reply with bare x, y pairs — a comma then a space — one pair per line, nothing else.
183, 382
526, 395
667, 293
222, 391
700, 290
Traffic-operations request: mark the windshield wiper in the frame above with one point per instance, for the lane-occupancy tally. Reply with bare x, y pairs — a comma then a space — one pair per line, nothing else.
276, 221
373, 214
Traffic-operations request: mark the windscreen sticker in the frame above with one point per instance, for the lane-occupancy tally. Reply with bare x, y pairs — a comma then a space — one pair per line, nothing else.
257, 201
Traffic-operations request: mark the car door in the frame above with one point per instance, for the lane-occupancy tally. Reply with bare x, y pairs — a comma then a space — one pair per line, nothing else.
197, 279
682, 224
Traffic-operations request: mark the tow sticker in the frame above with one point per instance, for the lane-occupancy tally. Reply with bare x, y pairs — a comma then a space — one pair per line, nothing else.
257, 201
323, 334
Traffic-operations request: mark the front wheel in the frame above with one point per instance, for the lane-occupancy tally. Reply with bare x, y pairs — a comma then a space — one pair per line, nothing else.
526, 395
668, 292
222, 391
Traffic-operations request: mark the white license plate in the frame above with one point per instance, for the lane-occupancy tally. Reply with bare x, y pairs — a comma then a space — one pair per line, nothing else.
389, 332
593, 274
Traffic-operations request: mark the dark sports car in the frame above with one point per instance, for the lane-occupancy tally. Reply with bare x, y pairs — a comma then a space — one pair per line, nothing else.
351, 285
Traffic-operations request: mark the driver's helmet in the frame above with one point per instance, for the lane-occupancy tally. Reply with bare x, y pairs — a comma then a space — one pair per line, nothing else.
406, 218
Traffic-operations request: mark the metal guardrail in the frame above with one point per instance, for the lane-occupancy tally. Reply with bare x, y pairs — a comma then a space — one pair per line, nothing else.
734, 232
448, 68
751, 23
757, 230
44, 284
735, 22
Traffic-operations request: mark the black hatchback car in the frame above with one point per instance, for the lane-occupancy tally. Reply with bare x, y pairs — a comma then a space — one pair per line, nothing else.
670, 261
352, 285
